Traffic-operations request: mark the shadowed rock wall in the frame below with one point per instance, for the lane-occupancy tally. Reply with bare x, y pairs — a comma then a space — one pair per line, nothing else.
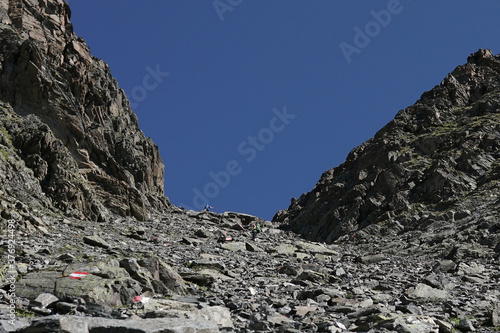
66, 128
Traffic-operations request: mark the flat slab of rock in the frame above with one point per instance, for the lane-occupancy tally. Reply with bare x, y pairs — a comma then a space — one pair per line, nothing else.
407, 323
278, 319
315, 248
252, 247
215, 314
13, 325
425, 292
96, 241
234, 246
34, 284
76, 324
46, 299
242, 217
285, 249
371, 258
303, 310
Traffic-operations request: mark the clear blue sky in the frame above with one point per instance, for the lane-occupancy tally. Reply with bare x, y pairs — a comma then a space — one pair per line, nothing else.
251, 101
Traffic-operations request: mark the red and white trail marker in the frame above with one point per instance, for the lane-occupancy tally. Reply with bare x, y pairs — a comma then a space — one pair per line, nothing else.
78, 275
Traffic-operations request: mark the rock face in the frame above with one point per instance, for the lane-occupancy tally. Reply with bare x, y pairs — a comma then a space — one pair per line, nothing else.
68, 138
413, 213
429, 177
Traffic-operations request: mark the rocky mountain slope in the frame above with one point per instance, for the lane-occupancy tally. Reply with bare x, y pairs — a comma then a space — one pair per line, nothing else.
69, 141
177, 273
427, 181
408, 224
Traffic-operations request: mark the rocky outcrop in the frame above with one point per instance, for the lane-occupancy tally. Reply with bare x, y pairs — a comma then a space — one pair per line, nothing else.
176, 270
428, 179
66, 128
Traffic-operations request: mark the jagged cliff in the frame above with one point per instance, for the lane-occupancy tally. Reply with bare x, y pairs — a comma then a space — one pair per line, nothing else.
68, 138
432, 170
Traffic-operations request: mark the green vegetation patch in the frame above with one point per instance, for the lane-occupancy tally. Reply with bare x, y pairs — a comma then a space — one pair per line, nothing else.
4, 153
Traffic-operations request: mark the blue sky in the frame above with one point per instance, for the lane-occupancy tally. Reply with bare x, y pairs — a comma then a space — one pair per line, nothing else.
251, 101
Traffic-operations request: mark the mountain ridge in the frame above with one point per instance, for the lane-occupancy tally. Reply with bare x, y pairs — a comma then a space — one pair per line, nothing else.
432, 155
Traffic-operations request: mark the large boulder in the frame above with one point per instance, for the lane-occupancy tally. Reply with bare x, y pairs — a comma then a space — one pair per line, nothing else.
105, 283
76, 324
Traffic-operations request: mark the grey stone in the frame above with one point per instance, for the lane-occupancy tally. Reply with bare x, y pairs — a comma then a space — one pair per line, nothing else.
371, 259
215, 314
340, 272
72, 324
66, 307
13, 325
444, 266
234, 246
40, 310
33, 284
407, 323
495, 316
200, 279
46, 299
292, 270
66, 257
309, 275
411, 308
165, 273
465, 325
425, 292
470, 268
113, 292
96, 241
444, 327
252, 247
138, 273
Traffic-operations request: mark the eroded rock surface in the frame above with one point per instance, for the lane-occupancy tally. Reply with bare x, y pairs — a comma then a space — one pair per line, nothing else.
429, 178
182, 269
68, 138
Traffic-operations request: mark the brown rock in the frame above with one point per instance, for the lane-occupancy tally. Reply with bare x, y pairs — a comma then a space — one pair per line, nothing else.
64, 115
